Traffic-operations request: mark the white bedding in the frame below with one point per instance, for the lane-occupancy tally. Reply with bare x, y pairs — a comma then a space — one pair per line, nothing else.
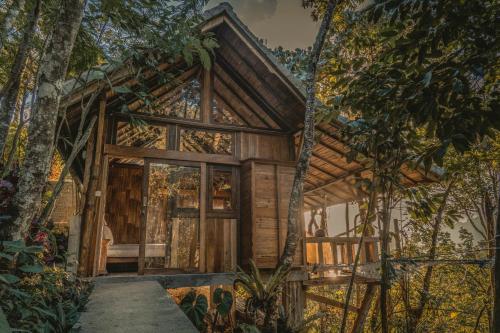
132, 250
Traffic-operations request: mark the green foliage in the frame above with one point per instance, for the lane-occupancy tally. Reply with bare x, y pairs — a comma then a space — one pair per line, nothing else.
223, 301
431, 64
196, 308
263, 295
246, 328
37, 298
294, 60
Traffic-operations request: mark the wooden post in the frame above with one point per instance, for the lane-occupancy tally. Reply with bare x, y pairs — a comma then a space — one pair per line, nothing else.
335, 259
280, 242
100, 215
144, 212
321, 259
203, 217
397, 238
206, 95
73, 243
88, 225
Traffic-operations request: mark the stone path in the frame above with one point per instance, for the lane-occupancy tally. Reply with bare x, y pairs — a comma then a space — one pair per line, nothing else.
132, 306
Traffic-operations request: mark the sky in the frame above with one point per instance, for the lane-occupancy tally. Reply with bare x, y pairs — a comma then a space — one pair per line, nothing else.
278, 22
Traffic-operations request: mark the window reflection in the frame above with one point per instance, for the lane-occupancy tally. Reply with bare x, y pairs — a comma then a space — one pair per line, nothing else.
222, 190
145, 136
222, 114
206, 142
182, 102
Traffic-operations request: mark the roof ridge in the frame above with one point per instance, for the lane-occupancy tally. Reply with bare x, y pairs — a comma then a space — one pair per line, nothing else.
267, 52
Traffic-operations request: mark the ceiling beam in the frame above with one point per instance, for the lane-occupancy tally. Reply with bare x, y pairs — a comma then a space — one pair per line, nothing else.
257, 97
338, 179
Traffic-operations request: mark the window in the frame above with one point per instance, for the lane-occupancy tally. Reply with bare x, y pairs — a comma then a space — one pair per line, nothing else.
182, 102
222, 114
142, 135
208, 142
222, 191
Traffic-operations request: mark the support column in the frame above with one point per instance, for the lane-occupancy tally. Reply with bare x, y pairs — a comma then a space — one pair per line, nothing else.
294, 302
89, 229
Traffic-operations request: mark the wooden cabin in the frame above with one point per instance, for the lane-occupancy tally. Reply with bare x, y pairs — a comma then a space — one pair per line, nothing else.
203, 184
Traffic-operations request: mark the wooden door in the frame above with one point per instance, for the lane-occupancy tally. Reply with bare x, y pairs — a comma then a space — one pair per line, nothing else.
170, 231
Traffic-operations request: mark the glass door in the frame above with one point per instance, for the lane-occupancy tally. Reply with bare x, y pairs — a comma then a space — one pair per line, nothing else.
170, 239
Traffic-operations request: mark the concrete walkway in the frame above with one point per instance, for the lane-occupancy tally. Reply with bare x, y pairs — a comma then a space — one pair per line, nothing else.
133, 306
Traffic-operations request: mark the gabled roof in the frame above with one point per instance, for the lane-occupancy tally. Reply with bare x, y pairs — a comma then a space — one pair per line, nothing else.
331, 177
220, 14
226, 12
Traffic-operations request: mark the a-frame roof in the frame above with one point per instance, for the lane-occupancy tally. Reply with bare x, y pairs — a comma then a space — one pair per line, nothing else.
274, 90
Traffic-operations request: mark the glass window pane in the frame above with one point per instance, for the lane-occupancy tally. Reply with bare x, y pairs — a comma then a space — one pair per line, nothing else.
222, 114
206, 142
222, 190
182, 102
145, 136
172, 226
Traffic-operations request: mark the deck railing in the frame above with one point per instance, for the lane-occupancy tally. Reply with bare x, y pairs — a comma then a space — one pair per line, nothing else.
338, 253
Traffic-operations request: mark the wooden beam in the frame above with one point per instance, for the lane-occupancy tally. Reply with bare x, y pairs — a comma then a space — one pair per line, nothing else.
321, 169
100, 215
225, 103
340, 178
256, 50
206, 94
364, 309
340, 280
88, 225
338, 240
198, 124
203, 215
162, 89
223, 80
329, 161
136, 152
242, 82
329, 302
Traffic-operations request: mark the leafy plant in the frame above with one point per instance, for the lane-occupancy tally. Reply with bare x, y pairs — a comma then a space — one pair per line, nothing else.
246, 328
33, 297
196, 308
223, 301
263, 295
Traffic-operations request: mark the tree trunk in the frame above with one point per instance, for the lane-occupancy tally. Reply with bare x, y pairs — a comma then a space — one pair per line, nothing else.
8, 20
496, 292
367, 219
44, 115
424, 298
359, 323
384, 280
10, 92
292, 236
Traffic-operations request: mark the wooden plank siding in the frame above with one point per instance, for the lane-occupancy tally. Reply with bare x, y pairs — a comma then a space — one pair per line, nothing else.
266, 188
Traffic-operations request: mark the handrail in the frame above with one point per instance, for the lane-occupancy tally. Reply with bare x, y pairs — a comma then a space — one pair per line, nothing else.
337, 253
339, 239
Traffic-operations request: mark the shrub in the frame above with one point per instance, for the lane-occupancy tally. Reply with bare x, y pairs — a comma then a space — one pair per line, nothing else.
35, 297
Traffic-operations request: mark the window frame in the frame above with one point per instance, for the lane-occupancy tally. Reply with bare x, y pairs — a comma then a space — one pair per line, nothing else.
235, 202
178, 137
116, 120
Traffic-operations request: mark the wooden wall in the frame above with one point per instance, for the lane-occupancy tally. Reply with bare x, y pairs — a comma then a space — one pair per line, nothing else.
123, 203
221, 245
264, 146
265, 196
